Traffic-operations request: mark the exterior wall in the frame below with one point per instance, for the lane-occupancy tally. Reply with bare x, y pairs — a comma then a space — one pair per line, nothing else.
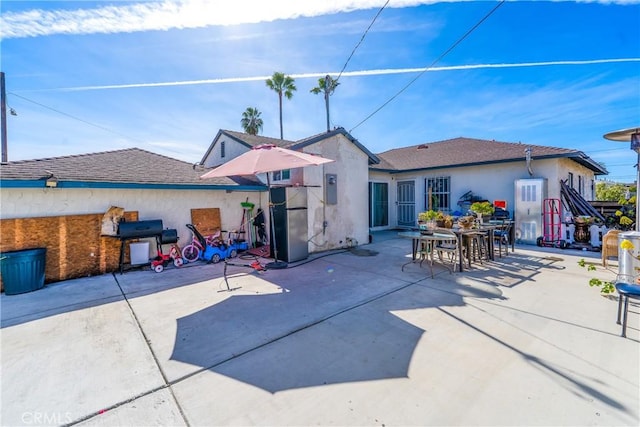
172, 206
348, 219
492, 182
565, 166
232, 149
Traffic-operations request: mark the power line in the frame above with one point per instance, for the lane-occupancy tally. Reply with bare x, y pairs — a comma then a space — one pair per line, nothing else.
77, 118
453, 46
361, 39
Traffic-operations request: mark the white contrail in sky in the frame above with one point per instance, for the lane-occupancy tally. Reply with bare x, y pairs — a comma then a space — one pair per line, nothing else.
182, 14
344, 74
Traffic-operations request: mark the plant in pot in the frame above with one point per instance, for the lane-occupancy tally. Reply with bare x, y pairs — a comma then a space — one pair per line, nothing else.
482, 209
427, 220
444, 220
465, 222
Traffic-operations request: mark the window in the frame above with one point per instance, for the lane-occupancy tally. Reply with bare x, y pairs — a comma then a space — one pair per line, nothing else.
570, 183
438, 194
580, 185
222, 149
281, 175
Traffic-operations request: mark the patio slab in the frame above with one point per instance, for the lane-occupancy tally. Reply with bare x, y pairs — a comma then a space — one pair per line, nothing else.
342, 339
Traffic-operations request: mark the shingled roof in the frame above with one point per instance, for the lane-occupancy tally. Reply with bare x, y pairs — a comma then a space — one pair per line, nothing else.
462, 151
119, 168
255, 140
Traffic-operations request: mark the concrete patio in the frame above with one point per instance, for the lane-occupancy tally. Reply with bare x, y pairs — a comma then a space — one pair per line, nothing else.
340, 339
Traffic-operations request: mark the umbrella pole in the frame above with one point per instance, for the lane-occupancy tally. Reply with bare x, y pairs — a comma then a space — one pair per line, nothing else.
275, 265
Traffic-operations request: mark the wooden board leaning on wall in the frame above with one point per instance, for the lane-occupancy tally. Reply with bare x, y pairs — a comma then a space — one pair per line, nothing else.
74, 245
206, 220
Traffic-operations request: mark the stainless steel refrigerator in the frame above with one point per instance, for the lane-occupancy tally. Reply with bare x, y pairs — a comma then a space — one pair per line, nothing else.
290, 223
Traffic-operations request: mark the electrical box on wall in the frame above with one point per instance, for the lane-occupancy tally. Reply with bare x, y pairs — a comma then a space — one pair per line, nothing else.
331, 189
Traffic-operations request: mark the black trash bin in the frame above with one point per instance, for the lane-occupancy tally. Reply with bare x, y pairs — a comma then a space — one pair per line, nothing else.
23, 271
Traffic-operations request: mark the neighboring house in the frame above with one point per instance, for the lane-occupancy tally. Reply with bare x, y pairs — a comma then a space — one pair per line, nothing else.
336, 192
446, 170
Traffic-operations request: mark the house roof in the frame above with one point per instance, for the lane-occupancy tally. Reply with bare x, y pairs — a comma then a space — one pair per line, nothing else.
245, 139
119, 168
462, 151
251, 141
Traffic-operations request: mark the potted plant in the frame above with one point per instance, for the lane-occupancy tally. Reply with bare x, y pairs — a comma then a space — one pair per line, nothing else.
444, 220
427, 221
482, 209
429, 215
465, 222
582, 223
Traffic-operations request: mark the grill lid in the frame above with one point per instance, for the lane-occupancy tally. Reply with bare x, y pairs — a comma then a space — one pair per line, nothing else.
149, 228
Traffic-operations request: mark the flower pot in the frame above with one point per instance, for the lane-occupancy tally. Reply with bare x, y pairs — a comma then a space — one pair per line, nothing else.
581, 234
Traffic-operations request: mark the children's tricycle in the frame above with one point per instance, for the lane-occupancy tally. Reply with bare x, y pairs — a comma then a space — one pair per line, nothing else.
161, 261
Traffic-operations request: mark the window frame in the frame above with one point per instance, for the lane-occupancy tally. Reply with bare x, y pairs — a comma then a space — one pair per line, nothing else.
281, 175
443, 194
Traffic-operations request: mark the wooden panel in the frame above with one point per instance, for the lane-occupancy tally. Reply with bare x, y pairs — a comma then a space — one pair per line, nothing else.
206, 220
74, 245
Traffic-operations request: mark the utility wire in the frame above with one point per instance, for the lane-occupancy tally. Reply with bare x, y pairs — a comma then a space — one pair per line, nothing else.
361, 40
76, 118
453, 46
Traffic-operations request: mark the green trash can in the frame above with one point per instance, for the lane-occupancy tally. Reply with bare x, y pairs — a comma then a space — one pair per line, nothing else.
23, 271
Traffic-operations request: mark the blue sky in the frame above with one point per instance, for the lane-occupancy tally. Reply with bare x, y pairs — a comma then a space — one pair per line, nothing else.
165, 76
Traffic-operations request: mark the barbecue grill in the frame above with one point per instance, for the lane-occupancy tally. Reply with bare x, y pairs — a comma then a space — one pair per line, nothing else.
139, 229
129, 230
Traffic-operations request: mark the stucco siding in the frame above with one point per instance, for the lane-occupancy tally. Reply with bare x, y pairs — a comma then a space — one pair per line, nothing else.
491, 182
348, 218
172, 206
565, 166
232, 149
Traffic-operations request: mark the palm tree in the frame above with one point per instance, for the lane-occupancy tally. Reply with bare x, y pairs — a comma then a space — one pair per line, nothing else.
251, 121
326, 85
283, 85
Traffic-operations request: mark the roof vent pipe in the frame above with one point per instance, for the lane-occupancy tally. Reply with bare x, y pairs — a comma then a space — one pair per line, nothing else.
527, 153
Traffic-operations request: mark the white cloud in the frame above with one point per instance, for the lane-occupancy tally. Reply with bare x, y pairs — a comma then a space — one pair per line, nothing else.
181, 14
172, 14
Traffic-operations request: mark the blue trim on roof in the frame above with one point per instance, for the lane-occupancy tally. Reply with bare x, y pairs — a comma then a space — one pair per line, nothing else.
5, 183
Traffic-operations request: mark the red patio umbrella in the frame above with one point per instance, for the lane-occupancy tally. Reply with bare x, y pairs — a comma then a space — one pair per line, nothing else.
264, 159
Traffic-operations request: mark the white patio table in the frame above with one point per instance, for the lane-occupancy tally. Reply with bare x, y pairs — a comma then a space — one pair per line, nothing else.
429, 241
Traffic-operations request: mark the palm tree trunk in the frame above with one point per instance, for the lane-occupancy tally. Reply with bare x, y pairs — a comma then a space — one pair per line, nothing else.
280, 102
